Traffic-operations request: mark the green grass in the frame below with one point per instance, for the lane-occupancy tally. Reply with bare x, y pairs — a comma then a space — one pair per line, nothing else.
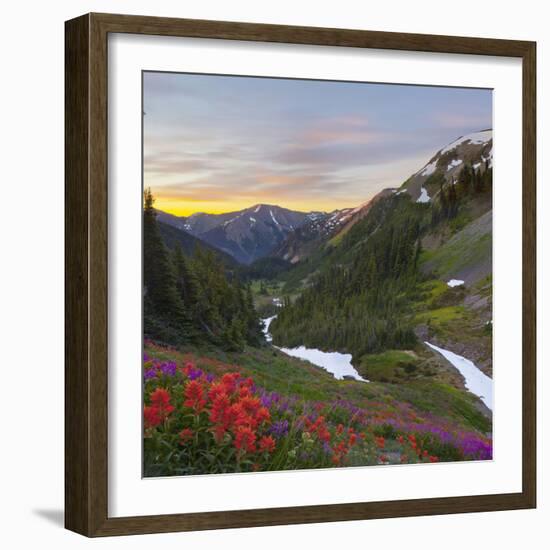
441, 316
392, 366
278, 372
464, 250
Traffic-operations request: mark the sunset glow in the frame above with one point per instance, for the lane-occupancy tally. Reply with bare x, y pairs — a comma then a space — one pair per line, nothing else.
218, 144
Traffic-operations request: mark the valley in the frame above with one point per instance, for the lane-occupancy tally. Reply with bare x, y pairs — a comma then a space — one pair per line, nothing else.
377, 317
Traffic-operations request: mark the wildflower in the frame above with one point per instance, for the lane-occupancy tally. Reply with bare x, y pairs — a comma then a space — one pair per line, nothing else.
380, 442
194, 397
267, 444
244, 391
434, 459
219, 406
245, 438
219, 433
191, 372
352, 439
339, 429
279, 429
185, 435
229, 380
169, 368
151, 417
323, 434
326, 448
263, 415
160, 399
250, 405
150, 374
216, 389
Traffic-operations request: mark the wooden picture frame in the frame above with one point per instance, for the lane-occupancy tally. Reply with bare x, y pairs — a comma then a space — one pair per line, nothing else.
86, 280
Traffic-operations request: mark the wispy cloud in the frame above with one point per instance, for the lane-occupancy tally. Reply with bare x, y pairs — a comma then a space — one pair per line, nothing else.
211, 141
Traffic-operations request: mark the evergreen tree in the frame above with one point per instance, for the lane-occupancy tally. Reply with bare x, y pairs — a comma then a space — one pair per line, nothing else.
158, 272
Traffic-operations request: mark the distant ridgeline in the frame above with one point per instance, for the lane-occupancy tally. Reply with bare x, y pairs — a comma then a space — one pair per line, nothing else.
363, 284
190, 296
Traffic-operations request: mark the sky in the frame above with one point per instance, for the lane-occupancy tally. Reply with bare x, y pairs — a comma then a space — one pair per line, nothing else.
223, 143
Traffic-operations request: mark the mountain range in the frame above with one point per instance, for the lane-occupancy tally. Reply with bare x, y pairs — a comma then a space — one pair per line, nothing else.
246, 235
264, 230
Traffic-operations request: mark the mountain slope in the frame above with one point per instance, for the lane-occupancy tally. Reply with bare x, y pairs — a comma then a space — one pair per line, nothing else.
172, 235
473, 149
247, 234
385, 282
307, 238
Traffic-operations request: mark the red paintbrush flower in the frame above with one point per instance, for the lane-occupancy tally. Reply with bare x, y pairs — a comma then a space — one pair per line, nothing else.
194, 396
263, 415
160, 399
151, 417
185, 435
267, 444
245, 438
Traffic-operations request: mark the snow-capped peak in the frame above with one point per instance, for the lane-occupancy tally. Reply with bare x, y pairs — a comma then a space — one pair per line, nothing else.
477, 138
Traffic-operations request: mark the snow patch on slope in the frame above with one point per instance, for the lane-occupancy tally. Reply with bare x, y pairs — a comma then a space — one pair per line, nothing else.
429, 169
424, 197
274, 219
476, 381
454, 163
476, 138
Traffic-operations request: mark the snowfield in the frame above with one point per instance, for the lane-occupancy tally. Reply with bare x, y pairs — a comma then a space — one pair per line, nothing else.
429, 169
454, 163
455, 282
476, 381
424, 197
338, 364
477, 138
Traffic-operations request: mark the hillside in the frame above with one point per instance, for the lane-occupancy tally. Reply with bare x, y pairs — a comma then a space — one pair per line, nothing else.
398, 291
247, 234
417, 264
189, 244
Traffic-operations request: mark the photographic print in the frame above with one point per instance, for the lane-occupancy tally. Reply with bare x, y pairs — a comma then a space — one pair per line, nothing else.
317, 274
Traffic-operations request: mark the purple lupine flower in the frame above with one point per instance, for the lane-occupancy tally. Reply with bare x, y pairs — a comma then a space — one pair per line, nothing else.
169, 368
194, 374
327, 448
150, 373
279, 429
210, 377
146, 357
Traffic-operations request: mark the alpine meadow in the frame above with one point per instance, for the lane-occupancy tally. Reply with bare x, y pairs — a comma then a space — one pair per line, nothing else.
317, 274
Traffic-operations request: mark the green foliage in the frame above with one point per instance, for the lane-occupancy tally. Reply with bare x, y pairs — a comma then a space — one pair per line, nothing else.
265, 268
392, 366
193, 298
163, 305
359, 300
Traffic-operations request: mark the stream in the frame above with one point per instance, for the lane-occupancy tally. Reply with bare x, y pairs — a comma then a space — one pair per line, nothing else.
338, 364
